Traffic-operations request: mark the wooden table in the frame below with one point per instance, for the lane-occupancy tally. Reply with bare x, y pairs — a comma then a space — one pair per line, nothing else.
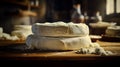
65, 56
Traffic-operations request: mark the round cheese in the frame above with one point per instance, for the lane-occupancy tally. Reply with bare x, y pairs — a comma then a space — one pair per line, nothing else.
60, 29
113, 31
54, 43
22, 31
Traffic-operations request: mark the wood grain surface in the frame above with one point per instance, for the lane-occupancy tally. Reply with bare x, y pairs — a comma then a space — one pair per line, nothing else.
62, 55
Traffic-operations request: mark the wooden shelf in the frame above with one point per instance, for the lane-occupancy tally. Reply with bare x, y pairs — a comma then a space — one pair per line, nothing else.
20, 4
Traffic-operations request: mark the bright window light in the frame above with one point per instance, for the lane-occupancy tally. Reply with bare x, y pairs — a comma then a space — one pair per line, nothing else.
118, 6
110, 7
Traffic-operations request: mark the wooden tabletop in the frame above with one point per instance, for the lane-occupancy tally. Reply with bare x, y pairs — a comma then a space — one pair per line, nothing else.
63, 55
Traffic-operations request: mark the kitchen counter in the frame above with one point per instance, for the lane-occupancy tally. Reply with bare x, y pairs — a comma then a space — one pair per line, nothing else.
37, 55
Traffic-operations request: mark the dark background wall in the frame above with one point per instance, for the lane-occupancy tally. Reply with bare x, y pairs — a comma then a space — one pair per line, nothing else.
61, 9
53, 10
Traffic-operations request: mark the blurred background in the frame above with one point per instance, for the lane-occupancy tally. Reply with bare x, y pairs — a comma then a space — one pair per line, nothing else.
27, 12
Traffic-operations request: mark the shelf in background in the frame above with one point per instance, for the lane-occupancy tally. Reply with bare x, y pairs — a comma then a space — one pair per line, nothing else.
20, 3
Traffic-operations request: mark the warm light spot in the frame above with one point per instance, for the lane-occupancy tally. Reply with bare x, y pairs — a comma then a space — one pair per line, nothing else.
118, 6
110, 7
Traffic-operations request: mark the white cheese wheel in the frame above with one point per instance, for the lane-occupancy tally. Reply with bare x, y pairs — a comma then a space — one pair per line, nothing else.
9, 37
22, 27
59, 29
52, 43
113, 31
22, 31
22, 34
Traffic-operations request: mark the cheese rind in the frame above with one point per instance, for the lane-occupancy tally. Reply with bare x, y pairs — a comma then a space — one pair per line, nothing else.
51, 43
60, 29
